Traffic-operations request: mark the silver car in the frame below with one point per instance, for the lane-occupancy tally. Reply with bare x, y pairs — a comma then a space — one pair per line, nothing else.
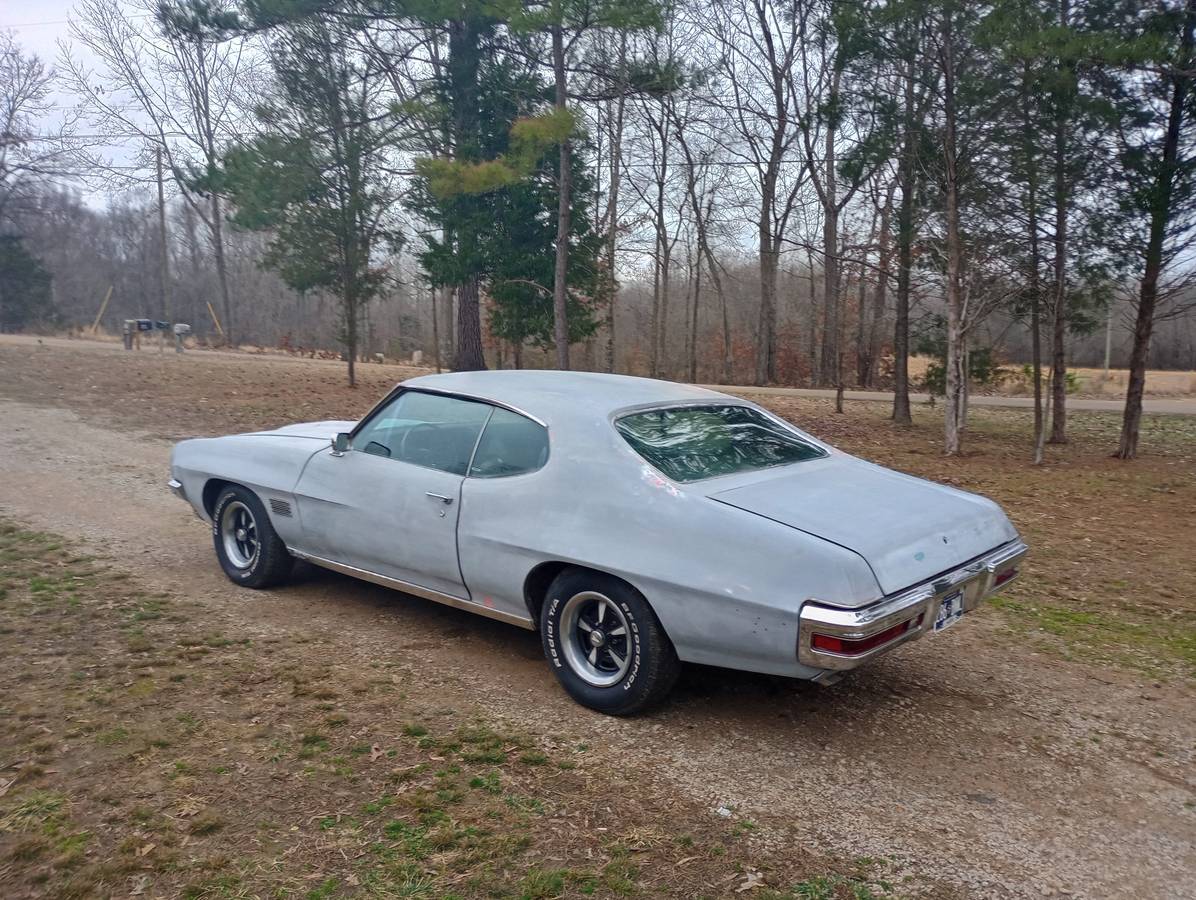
634, 523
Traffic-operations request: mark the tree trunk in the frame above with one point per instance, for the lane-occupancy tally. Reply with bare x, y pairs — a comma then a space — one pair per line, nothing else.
449, 322
1058, 354
469, 354
693, 321
830, 296
861, 354
560, 307
861, 318
812, 325
905, 256
767, 344
164, 275
1035, 262
881, 297
612, 221
1160, 216
464, 64
660, 268
701, 218
435, 330
654, 360
956, 375
196, 289
862, 360
350, 304
666, 264
831, 268
226, 301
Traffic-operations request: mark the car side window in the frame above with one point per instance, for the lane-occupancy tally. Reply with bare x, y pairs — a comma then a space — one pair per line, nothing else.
511, 445
428, 430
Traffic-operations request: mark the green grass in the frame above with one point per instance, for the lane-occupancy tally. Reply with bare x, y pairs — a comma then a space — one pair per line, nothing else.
1149, 642
832, 887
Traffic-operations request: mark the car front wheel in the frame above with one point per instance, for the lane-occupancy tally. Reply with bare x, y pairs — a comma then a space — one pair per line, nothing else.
250, 551
605, 645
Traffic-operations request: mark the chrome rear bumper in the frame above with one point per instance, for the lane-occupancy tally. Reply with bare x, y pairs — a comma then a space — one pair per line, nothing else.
916, 608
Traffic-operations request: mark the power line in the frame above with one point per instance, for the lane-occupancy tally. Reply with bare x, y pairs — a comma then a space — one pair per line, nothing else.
63, 21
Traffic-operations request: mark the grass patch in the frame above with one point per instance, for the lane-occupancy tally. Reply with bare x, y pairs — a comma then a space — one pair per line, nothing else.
1151, 644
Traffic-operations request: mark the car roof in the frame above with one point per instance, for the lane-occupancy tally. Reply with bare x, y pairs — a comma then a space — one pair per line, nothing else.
554, 396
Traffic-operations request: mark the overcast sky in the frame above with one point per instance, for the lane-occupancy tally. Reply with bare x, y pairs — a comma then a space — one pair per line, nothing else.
38, 24
39, 27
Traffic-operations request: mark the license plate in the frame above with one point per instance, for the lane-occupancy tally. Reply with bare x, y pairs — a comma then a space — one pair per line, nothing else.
950, 611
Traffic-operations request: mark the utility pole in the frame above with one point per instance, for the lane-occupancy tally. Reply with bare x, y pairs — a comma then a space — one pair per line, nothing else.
165, 270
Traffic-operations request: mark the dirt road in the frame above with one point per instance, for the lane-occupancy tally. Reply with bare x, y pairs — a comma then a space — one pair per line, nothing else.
975, 765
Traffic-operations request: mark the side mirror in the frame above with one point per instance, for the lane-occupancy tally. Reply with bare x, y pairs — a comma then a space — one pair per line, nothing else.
340, 443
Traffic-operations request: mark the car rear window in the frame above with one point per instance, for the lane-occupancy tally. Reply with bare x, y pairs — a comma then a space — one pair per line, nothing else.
689, 443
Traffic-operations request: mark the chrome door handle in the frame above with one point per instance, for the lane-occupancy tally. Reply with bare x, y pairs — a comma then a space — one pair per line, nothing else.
447, 501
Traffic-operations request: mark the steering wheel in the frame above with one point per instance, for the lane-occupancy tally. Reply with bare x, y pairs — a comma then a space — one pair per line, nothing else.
424, 453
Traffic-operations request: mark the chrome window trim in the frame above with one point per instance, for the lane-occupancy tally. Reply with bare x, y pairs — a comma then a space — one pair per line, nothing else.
453, 395
477, 398
614, 417
977, 580
477, 441
547, 439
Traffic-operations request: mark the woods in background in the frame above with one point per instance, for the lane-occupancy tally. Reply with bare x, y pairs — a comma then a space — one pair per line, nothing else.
740, 191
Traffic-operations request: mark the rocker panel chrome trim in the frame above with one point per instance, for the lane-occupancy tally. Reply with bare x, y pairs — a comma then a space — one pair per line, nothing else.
416, 590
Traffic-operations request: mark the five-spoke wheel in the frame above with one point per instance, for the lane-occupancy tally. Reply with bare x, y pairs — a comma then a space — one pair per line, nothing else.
597, 642
250, 551
238, 529
605, 643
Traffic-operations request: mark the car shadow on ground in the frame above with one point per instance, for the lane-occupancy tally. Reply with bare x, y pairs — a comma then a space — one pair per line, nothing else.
880, 691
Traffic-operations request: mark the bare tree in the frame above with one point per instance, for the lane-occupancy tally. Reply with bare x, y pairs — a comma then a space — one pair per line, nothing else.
759, 47
170, 90
1170, 209
29, 156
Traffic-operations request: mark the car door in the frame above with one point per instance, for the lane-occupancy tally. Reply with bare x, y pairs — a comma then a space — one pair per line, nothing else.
389, 503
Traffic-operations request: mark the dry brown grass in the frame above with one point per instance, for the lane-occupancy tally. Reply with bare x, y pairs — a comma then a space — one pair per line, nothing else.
146, 755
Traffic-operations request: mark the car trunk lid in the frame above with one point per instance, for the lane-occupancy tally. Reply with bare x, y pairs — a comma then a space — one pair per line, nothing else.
907, 529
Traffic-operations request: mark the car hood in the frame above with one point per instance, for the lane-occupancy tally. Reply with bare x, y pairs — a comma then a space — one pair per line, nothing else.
907, 529
324, 431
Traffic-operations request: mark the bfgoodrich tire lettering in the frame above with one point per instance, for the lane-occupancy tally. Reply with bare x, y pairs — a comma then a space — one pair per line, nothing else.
250, 551
604, 643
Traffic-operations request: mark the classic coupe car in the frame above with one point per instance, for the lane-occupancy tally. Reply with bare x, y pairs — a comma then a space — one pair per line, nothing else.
634, 523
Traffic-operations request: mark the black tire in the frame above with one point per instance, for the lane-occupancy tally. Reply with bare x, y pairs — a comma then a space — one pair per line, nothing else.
624, 673
261, 560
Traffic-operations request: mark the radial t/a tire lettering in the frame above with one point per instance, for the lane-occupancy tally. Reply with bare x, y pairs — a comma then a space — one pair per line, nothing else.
605, 644
250, 551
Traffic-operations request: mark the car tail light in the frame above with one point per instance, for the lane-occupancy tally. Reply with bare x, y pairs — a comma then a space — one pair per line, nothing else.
849, 647
1002, 577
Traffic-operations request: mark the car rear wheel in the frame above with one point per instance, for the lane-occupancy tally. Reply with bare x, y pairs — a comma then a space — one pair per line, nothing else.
605, 645
250, 551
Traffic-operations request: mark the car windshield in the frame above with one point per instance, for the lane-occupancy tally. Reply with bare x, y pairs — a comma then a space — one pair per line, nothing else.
689, 443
